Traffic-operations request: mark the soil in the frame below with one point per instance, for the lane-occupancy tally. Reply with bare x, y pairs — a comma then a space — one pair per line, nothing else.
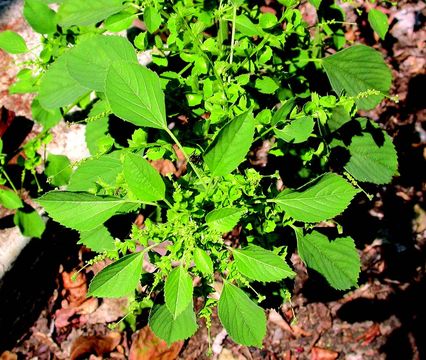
382, 319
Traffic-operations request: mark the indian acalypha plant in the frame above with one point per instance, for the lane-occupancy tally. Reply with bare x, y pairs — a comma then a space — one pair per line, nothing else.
224, 77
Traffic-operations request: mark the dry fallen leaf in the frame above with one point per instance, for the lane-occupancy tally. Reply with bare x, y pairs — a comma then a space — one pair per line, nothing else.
94, 345
147, 346
323, 354
76, 290
7, 355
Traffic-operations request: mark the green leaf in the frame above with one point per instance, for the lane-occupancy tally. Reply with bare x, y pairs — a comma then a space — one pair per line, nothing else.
178, 291
245, 26
142, 179
83, 12
370, 162
225, 219
12, 42
119, 22
266, 85
169, 329
135, 95
57, 87
46, 117
89, 61
203, 262
9, 199
30, 223
231, 145
261, 265
102, 169
98, 239
379, 22
297, 131
41, 18
283, 112
337, 260
339, 117
244, 321
118, 279
83, 211
357, 70
327, 198
152, 19
316, 3
58, 169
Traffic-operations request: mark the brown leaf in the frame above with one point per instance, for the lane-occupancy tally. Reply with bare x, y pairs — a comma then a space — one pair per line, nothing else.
76, 289
369, 336
164, 166
94, 345
62, 317
147, 346
323, 354
7, 355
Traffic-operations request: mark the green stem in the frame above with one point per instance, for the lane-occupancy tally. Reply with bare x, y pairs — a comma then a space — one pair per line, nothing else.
9, 180
234, 20
168, 203
174, 138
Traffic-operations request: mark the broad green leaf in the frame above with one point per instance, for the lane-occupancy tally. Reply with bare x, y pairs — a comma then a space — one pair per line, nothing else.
83, 211
379, 22
9, 199
163, 324
119, 22
152, 19
358, 70
41, 18
231, 145
98, 239
370, 162
58, 169
337, 260
297, 131
327, 198
245, 26
244, 321
339, 117
261, 265
203, 262
97, 131
12, 42
84, 12
30, 223
283, 112
134, 94
118, 279
57, 87
178, 291
25, 83
46, 117
103, 169
89, 61
142, 179
266, 85
225, 219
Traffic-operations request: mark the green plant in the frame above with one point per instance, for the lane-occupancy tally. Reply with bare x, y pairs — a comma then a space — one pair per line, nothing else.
218, 71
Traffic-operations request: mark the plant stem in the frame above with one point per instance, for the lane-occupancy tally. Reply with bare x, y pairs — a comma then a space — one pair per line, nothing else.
9, 181
174, 138
234, 19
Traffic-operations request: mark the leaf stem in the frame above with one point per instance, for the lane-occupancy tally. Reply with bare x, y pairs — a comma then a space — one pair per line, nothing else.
9, 180
234, 20
174, 138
